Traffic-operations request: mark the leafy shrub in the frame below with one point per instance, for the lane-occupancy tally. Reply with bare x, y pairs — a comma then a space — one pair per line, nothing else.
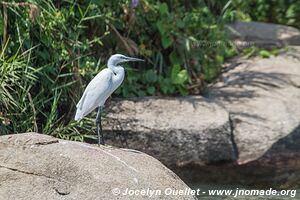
17, 75
285, 12
61, 45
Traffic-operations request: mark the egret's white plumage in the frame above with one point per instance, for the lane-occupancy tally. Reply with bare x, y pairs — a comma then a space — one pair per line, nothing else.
102, 85
95, 94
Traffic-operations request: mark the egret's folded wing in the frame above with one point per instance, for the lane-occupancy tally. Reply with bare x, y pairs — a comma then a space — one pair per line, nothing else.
95, 94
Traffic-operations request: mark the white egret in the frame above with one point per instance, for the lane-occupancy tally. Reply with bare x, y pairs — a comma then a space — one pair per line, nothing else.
100, 88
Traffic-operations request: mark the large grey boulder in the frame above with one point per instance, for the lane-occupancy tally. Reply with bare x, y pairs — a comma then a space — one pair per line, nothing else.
263, 34
263, 98
177, 131
35, 166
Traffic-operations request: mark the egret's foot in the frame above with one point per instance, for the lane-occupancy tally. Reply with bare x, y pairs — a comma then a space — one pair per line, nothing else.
100, 137
101, 142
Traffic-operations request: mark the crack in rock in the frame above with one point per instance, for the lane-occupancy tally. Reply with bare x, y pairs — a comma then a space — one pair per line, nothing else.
47, 142
234, 145
61, 187
25, 172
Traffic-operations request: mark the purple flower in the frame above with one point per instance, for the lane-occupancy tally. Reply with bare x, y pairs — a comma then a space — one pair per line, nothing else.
134, 3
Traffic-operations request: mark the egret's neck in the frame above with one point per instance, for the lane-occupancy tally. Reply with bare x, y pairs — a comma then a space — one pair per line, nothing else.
115, 68
118, 77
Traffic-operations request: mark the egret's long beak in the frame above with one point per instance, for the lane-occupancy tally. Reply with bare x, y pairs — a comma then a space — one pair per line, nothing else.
134, 59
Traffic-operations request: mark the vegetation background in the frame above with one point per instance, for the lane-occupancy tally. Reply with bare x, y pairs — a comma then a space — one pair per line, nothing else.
50, 50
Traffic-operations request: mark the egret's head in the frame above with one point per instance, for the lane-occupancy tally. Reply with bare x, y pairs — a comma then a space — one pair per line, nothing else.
118, 59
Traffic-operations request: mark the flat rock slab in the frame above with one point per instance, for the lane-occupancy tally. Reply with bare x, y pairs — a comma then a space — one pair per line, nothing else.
35, 166
177, 131
263, 34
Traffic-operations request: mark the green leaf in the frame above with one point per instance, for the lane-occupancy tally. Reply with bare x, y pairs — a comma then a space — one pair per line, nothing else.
141, 93
166, 86
150, 76
80, 12
291, 11
182, 76
230, 52
151, 90
178, 76
160, 27
264, 53
183, 91
166, 41
210, 72
174, 58
220, 59
248, 52
163, 8
275, 52
180, 23
175, 71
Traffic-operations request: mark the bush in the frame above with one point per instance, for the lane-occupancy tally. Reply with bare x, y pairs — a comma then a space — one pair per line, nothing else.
16, 74
54, 48
285, 12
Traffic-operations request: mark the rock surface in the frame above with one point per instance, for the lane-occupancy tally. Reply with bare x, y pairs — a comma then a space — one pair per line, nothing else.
177, 131
245, 130
263, 99
263, 34
35, 166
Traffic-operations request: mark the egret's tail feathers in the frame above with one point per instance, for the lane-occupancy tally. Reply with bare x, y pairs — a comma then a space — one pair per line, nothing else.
79, 115
81, 101
83, 111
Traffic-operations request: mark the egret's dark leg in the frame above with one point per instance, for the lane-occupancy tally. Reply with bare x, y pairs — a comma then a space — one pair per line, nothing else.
99, 126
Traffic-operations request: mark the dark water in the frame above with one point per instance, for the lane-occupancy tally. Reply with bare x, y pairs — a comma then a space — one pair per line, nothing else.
239, 189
